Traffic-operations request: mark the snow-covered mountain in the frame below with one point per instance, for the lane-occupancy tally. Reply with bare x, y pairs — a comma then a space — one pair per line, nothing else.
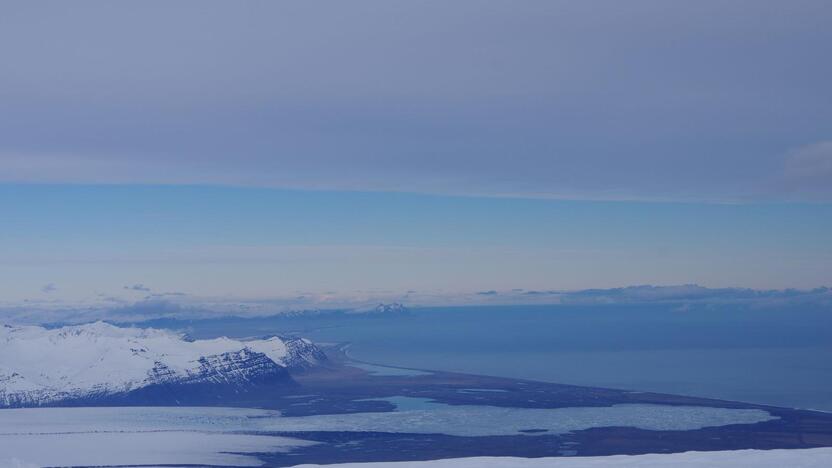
101, 364
366, 310
393, 308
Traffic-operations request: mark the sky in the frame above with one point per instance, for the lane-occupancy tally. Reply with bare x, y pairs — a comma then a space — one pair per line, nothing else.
258, 149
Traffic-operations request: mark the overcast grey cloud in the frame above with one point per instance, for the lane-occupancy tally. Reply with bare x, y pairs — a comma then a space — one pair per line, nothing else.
674, 100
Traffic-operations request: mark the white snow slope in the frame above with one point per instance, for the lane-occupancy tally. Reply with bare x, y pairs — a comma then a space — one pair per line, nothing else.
40, 366
799, 458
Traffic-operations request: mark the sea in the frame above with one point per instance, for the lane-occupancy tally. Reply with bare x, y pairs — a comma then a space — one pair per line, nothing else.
779, 356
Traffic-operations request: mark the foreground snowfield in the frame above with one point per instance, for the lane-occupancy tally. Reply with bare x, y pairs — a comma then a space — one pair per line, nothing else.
798, 458
803, 458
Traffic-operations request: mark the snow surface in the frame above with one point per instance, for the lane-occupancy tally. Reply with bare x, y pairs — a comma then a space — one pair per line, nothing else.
443, 419
130, 419
136, 435
798, 458
16, 463
223, 436
423, 416
142, 448
51, 364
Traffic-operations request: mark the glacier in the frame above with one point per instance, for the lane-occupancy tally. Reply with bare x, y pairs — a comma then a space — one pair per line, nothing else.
234, 436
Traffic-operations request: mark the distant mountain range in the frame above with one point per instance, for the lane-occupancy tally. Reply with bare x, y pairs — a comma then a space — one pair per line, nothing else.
394, 308
381, 308
102, 364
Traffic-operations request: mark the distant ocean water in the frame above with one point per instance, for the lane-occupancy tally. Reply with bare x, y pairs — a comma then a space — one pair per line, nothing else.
775, 357
772, 356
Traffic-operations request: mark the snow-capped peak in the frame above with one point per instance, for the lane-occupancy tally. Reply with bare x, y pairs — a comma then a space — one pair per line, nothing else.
40, 365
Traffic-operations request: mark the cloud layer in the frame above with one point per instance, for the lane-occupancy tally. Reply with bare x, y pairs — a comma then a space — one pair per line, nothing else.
184, 307
698, 101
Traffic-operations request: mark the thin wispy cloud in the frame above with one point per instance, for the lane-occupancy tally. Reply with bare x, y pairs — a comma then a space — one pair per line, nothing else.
808, 169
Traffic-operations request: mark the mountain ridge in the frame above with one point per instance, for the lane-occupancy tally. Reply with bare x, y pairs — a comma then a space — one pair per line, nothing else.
101, 364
